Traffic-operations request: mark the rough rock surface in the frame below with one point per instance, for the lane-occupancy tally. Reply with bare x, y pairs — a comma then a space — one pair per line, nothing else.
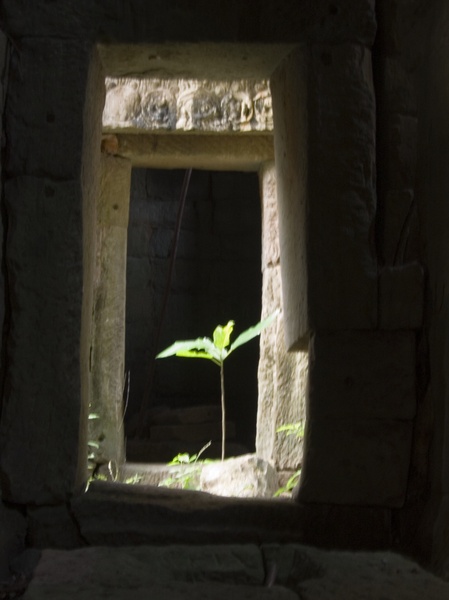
248, 571
245, 477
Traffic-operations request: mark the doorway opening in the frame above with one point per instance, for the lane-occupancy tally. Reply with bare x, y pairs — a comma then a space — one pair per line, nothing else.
216, 277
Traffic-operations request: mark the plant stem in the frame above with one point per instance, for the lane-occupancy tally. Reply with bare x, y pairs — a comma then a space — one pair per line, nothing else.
223, 411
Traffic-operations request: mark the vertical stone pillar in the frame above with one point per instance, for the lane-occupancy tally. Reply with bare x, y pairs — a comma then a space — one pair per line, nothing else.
53, 127
282, 375
108, 329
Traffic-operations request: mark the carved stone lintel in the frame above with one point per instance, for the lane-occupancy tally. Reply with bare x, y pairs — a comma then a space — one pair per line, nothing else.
170, 105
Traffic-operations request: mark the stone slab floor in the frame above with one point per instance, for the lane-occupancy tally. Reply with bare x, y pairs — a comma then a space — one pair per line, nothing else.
237, 572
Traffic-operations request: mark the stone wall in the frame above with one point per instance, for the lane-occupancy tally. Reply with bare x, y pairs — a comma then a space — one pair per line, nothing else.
352, 287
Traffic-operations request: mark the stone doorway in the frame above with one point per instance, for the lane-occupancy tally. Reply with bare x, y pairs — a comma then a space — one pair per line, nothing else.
282, 375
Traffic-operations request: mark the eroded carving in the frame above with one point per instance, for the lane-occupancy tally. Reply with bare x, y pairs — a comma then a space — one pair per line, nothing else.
181, 105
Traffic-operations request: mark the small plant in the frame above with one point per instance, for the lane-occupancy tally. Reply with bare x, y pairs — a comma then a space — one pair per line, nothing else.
290, 485
186, 477
296, 429
217, 351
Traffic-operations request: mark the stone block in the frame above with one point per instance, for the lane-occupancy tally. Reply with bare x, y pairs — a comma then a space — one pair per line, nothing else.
362, 375
289, 90
270, 226
401, 297
44, 261
341, 190
362, 462
177, 572
12, 537
243, 477
400, 152
52, 527
397, 227
45, 108
282, 380
398, 87
274, 21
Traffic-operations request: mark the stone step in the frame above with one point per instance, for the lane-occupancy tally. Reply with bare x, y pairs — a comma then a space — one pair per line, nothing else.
220, 572
143, 451
142, 572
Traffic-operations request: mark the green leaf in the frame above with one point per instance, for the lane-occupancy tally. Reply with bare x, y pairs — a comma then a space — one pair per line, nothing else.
222, 335
252, 332
199, 348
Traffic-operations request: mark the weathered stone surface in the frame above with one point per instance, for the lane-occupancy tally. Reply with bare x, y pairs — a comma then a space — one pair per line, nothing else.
47, 133
12, 537
136, 105
243, 477
270, 223
213, 152
400, 164
44, 259
289, 91
396, 229
243, 572
401, 302
367, 375
118, 514
398, 87
271, 20
107, 362
176, 571
341, 265
52, 527
282, 379
322, 575
362, 462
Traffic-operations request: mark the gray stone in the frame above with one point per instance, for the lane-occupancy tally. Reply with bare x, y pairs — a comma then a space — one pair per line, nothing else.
243, 477
401, 302
275, 21
282, 379
362, 375
12, 537
44, 258
328, 575
398, 87
362, 462
400, 160
134, 105
118, 514
175, 572
52, 527
107, 361
396, 226
47, 133
342, 263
